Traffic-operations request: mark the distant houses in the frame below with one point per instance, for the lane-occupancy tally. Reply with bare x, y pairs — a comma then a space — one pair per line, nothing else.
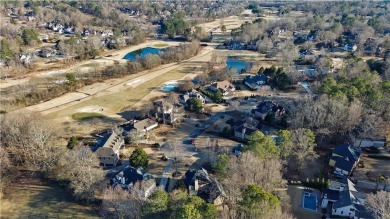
349, 47
234, 45
108, 149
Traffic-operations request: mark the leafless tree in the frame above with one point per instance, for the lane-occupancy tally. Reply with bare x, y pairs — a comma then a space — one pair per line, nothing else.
80, 166
5, 168
30, 138
119, 203
304, 144
379, 204
325, 113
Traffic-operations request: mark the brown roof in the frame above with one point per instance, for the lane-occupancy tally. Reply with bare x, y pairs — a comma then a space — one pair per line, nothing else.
222, 84
105, 152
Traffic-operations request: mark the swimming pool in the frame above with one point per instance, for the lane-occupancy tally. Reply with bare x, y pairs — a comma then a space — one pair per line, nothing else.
310, 201
169, 86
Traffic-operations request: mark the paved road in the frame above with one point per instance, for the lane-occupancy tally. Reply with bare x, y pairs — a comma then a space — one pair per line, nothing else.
166, 174
198, 131
186, 140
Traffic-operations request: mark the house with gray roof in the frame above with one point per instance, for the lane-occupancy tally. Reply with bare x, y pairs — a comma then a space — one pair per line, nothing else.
135, 180
267, 107
343, 200
255, 82
199, 183
244, 128
108, 149
344, 158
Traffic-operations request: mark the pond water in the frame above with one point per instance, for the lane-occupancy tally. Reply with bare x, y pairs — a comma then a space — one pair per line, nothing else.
141, 53
169, 86
237, 64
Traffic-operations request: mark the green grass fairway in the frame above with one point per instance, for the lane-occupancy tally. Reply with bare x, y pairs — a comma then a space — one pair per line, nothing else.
159, 45
86, 116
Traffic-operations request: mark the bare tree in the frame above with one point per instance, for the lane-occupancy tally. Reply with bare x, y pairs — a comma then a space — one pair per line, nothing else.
30, 138
304, 143
80, 166
119, 203
379, 204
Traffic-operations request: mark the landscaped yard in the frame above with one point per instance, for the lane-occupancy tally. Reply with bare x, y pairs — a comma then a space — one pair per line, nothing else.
34, 198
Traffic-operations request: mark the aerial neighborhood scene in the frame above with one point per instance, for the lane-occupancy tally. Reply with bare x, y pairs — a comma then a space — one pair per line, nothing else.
195, 109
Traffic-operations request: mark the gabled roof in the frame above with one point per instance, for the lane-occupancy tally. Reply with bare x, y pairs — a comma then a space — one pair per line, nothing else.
143, 124
267, 107
347, 150
342, 163
221, 85
331, 194
345, 199
109, 144
256, 79
192, 175
133, 175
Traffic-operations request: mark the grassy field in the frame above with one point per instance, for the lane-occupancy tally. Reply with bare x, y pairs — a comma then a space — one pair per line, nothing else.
115, 103
86, 116
159, 45
31, 197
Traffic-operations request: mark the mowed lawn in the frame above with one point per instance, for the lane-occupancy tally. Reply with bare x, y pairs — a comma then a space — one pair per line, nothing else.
33, 198
115, 103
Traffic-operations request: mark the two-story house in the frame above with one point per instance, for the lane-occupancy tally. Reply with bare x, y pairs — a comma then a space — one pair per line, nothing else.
108, 149
225, 87
135, 180
344, 158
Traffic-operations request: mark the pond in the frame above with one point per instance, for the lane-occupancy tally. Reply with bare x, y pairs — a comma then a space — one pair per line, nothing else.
169, 86
141, 53
237, 64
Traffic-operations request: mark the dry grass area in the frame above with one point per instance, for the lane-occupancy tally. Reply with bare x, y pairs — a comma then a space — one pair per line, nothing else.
373, 168
31, 197
114, 103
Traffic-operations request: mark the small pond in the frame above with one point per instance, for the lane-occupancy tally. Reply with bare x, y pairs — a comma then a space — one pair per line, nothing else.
237, 64
141, 53
169, 86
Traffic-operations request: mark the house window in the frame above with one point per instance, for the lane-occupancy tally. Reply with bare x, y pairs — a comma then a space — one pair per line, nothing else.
342, 212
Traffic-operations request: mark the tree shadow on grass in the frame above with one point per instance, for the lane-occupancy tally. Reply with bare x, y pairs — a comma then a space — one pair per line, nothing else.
46, 199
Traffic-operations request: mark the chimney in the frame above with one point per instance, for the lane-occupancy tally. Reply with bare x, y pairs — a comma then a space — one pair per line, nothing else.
196, 187
243, 132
